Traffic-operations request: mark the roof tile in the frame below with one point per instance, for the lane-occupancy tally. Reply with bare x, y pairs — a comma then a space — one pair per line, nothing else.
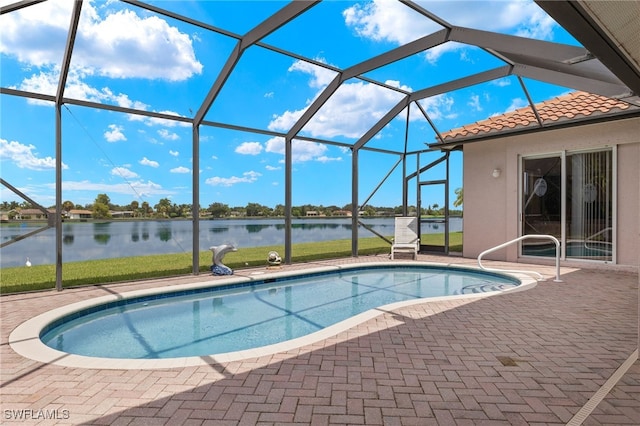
567, 107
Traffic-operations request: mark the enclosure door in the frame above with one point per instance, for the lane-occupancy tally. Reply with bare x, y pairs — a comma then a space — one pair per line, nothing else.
433, 226
571, 197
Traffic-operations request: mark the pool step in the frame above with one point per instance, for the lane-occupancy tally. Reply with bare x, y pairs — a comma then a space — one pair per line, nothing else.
484, 288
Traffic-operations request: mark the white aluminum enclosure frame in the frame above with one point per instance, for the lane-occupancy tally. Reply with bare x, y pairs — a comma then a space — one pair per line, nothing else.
565, 65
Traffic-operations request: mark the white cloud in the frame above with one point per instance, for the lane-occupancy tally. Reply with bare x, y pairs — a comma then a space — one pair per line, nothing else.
501, 82
352, 110
165, 134
114, 134
25, 156
383, 20
438, 107
153, 121
249, 148
102, 47
46, 82
137, 189
325, 159
516, 103
321, 76
180, 169
146, 162
124, 172
174, 153
272, 168
386, 21
50, 19
474, 103
530, 20
247, 177
301, 150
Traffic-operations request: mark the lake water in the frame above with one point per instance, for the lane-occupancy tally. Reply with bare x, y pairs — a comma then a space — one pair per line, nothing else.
91, 240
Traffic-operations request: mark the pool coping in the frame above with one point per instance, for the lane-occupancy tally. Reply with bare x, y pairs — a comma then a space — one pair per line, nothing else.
25, 339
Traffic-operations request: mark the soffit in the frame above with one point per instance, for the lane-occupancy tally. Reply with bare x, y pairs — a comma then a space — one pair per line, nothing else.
620, 20
610, 30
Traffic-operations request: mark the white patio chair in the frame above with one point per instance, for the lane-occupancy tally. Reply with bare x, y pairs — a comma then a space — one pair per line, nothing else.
406, 238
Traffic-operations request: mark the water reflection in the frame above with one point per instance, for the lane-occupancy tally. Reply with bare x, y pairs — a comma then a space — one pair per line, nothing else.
87, 240
135, 233
218, 230
164, 231
101, 233
67, 234
145, 231
252, 229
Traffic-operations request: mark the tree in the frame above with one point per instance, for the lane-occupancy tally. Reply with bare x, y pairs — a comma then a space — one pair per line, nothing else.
134, 207
164, 207
279, 210
369, 210
101, 207
146, 209
104, 199
183, 210
459, 197
100, 211
254, 209
219, 210
67, 206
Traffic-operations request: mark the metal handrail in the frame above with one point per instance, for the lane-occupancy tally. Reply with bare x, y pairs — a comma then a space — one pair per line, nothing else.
524, 237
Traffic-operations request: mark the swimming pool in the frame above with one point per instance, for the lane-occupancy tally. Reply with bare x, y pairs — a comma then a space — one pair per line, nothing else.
245, 315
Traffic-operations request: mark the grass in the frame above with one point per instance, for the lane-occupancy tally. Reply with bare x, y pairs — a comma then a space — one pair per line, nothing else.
41, 277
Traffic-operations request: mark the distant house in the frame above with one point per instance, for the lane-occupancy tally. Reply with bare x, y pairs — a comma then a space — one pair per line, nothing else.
312, 213
342, 213
79, 214
33, 214
121, 214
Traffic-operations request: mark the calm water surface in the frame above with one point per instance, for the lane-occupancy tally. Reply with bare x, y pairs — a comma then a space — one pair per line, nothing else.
87, 241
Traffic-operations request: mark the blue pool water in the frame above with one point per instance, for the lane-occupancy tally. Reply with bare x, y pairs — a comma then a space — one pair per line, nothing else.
243, 316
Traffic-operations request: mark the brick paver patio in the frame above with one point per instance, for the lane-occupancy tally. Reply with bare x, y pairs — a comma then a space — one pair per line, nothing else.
530, 357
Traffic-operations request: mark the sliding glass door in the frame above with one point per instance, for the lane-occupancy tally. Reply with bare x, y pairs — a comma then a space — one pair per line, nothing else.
589, 206
569, 196
542, 204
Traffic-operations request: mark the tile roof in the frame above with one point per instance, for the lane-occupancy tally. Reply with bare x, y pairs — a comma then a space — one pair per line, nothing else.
573, 106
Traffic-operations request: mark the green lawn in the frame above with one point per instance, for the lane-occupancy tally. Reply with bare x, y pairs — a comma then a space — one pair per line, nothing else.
165, 265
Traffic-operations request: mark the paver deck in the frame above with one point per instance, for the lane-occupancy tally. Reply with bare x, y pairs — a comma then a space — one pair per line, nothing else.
530, 357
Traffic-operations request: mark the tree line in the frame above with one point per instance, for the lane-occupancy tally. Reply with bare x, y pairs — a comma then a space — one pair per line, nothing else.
103, 208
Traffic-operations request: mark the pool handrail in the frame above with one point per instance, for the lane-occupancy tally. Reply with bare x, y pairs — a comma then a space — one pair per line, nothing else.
515, 240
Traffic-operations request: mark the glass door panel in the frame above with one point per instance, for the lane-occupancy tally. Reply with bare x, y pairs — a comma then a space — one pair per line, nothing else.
542, 204
589, 206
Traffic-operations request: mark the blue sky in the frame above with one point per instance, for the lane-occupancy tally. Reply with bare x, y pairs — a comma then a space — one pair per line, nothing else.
130, 57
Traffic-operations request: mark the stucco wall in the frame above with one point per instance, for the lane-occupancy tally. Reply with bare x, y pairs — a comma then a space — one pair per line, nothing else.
491, 204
